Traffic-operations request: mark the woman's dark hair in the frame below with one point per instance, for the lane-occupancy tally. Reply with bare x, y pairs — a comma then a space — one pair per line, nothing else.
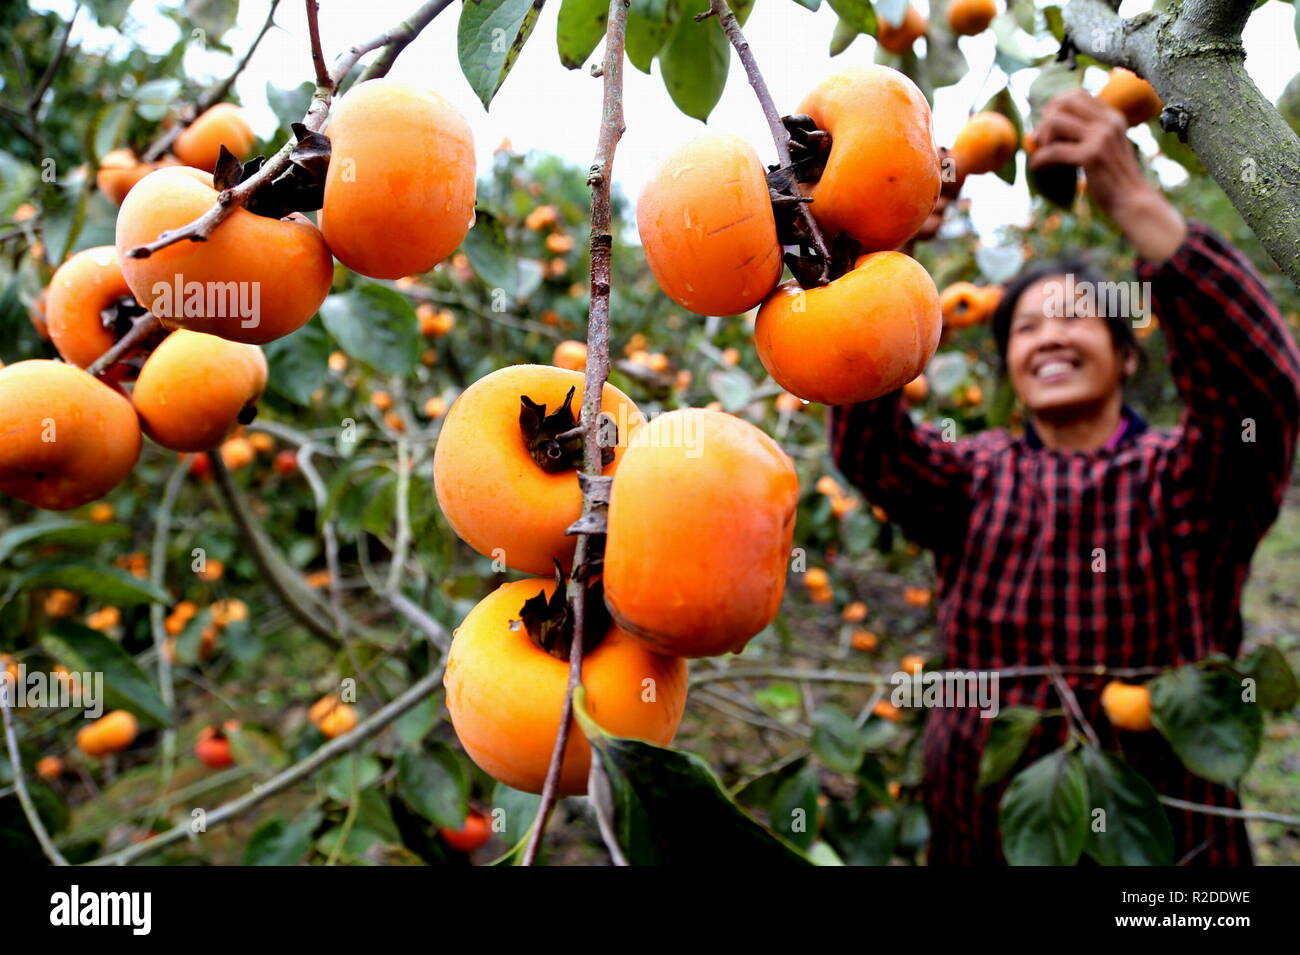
1083, 271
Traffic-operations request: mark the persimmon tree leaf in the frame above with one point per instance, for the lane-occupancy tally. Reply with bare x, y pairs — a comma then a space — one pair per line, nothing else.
433, 782
1044, 812
488, 40
126, 686
60, 530
102, 582
579, 29
694, 61
858, 14
376, 325
1212, 729
843, 36
276, 842
489, 253
299, 363
668, 808
1136, 827
837, 741
1007, 739
649, 24
1275, 682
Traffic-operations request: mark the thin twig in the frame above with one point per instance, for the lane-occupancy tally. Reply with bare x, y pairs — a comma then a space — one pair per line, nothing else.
317, 55
1257, 815
297, 597
20, 780
877, 679
415, 694
145, 326
599, 179
780, 135
1073, 708
231, 199
157, 625
401, 36
403, 508
34, 104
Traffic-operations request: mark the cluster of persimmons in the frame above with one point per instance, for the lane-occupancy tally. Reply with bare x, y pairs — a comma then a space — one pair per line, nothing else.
71, 437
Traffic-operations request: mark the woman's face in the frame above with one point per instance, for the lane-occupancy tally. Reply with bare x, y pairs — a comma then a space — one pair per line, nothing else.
1060, 355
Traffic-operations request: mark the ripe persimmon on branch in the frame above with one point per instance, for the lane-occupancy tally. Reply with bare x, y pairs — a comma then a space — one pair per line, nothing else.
595, 488
1193, 55
230, 199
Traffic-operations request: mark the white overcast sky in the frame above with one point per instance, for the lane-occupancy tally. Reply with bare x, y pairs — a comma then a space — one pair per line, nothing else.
543, 106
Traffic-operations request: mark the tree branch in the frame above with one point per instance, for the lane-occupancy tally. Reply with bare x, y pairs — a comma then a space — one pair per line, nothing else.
317, 55
34, 104
1192, 55
593, 506
145, 326
416, 693
20, 781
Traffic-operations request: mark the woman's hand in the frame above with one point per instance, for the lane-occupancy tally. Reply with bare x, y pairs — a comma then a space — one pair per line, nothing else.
1080, 130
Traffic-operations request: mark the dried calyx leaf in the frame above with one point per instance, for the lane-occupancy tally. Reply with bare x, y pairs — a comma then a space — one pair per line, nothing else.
549, 622
299, 188
809, 147
553, 440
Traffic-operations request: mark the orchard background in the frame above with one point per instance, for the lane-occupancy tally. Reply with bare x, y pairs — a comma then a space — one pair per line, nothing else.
323, 524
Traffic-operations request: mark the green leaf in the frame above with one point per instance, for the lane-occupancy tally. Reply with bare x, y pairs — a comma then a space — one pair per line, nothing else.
694, 62
866, 841
1007, 739
376, 325
417, 722
1137, 828
579, 29
669, 809
1276, 687
60, 530
276, 843
109, 13
1044, 812
1002, 102
516, 810
837, 741
843, 36
793, 811
858, 14
1212, 729
490, 253
214, 17
154, 99
1052, 78
126, 686
289, 104
813, 5
102, 582
434, 784
299, 363
488, 40
338, 778
649, 24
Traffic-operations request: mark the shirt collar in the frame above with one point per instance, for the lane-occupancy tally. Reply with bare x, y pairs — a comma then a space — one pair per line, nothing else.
1131, 425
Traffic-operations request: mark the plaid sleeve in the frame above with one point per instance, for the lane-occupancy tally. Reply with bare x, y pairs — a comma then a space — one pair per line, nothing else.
920, 479
1237, 369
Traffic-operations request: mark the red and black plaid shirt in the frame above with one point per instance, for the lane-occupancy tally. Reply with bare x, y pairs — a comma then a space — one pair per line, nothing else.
1016, 528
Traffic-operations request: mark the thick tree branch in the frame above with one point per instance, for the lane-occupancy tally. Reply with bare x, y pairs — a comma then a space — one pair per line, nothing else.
1193, 57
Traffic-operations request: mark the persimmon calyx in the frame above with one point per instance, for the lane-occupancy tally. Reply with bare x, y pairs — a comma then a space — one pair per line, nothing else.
299, 188
554, 441
549, 622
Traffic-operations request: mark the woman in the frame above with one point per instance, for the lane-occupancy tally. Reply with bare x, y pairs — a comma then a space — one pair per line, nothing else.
1018, 525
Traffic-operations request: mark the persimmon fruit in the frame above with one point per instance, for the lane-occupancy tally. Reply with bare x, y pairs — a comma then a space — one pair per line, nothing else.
984, 144
212, 748
881, 177
473, 834
1127, 706
194, 389
68, 439
254, 280
1131, 95
199, 144
962, 305
969, 17
700, 572
399, 194
571, 355
504, 692
108, 734
81, 292
867, 333
899, 39
120, 170
707, 227
511, 495
332, 716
